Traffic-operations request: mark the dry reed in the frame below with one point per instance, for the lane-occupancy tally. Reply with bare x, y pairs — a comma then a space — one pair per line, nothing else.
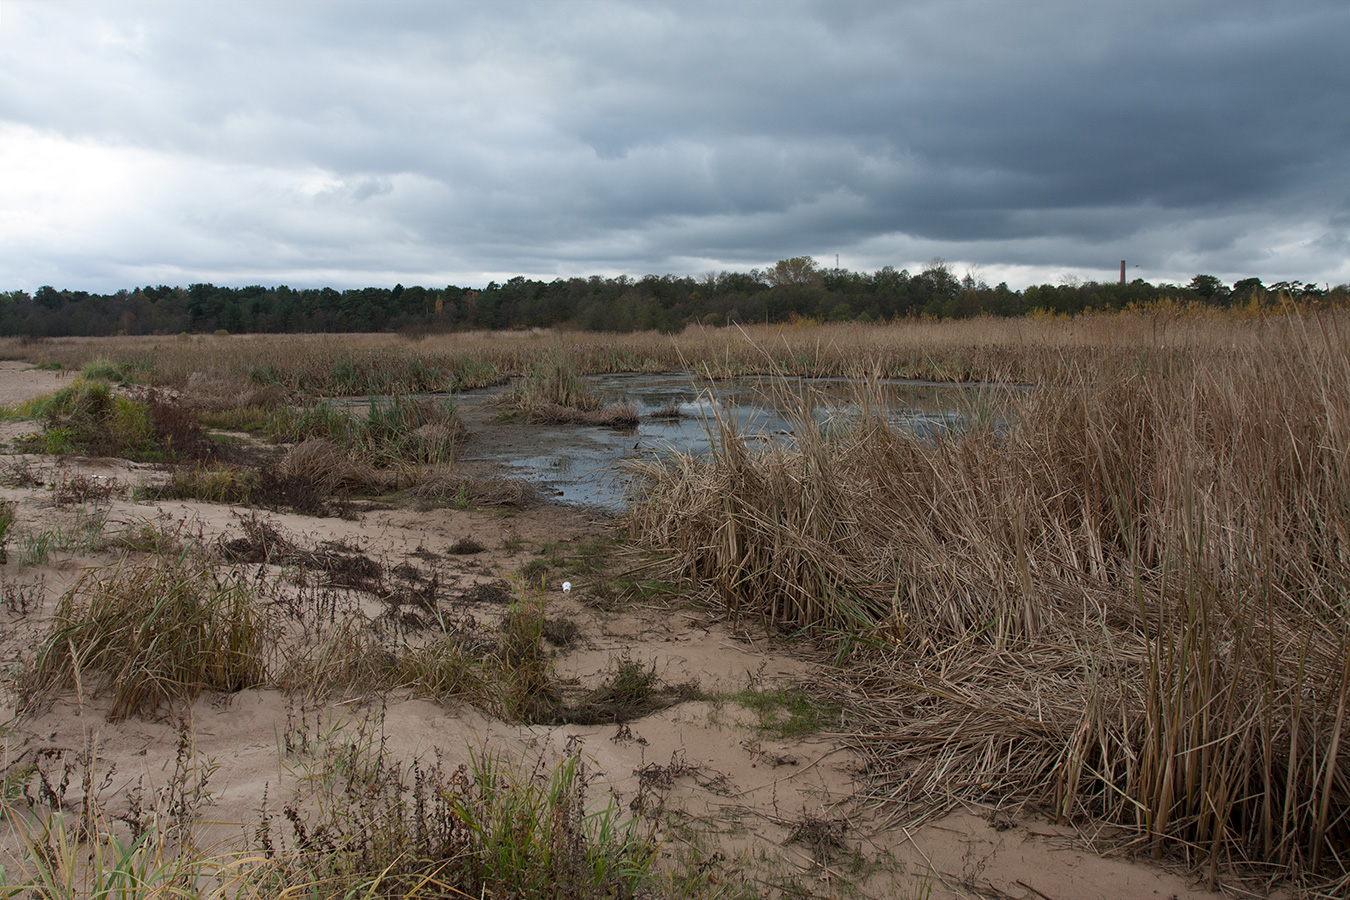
1037, 349
1122, 595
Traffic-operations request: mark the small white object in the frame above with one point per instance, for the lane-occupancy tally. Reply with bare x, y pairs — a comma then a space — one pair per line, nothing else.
567, 586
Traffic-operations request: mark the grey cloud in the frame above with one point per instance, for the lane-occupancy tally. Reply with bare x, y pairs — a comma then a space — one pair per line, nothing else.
569, 138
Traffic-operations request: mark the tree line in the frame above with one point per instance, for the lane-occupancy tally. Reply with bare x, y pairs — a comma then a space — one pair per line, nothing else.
797, 288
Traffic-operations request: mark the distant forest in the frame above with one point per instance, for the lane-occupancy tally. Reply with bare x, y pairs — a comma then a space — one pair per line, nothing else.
792, 289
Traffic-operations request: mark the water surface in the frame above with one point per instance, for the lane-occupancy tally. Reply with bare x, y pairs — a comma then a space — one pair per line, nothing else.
588, 465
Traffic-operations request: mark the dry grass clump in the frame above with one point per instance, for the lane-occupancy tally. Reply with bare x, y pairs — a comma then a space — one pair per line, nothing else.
153, 633
615, 415
1123, 598
219, 391
467, 491
553, 381
323, 464
554, 392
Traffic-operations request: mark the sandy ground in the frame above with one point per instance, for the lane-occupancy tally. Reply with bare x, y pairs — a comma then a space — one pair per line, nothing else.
736, 792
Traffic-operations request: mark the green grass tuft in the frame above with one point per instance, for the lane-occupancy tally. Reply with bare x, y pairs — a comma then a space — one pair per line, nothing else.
153, 633
786, 713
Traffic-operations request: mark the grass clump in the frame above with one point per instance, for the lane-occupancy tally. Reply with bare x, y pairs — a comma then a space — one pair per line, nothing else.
249, 419
8, 509
394, 432
554, 380
153, 633
117, 372
442, 488
633, 690
88, 418
385, 829
269, 487
525, 685
787, 712
614, 415
212, 484
329, 469
553, 392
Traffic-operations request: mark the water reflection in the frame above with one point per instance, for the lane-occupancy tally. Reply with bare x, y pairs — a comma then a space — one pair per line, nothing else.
586, 465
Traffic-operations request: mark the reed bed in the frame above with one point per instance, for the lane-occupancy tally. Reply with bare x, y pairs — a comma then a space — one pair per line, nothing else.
1039, 349
1123, 597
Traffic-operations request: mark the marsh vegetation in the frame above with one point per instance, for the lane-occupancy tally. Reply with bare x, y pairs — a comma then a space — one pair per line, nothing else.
1116, 599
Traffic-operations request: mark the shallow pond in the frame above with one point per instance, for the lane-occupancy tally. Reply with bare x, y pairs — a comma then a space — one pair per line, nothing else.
588, 465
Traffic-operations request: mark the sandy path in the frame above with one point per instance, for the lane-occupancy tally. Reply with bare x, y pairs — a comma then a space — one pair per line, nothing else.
19, 381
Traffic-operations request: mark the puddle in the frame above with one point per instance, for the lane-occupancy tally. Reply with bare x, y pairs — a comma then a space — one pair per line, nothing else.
587, 465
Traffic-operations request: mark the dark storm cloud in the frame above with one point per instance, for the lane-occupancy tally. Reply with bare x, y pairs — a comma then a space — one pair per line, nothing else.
356, 143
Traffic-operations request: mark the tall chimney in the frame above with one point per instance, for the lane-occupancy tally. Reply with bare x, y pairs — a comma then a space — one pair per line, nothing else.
1122, 271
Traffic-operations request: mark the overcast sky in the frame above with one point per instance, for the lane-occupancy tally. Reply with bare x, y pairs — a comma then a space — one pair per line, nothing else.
355, 144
